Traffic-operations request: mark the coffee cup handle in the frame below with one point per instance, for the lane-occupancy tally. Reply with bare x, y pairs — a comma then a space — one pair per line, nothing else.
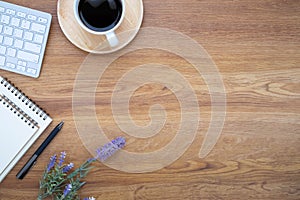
112, 39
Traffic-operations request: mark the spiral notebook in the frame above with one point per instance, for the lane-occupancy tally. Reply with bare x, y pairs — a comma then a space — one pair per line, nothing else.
21, 123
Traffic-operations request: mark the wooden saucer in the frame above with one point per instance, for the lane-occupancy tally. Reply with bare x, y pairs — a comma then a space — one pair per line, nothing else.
98, 43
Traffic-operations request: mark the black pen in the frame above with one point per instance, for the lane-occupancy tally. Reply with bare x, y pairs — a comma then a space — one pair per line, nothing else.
39, 151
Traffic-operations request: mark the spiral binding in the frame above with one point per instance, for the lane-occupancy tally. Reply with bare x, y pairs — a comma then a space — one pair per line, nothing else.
17, 111
21, 96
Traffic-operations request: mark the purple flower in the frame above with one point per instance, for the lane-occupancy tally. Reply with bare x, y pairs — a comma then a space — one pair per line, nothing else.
110, 148
119, 141
62, 158
52, 162
67, 168
67, 190
89, 198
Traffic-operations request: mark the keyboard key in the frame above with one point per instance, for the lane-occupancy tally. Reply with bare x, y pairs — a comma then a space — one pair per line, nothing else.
38, 38
5, 19
8, 41
38, 28
18, 44
2, 9
35, 48
18, 33
25, 24
10, 12
21, 14
8, 30
1, 27
22, 63
2, 60
32, 71
11, 52
15, 22
2, 50
21, 68
11, 65
28, 35
42, 20
30, 57
31, 17
1, 39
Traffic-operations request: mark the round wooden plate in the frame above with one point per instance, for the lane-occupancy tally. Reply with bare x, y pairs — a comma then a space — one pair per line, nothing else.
98, 43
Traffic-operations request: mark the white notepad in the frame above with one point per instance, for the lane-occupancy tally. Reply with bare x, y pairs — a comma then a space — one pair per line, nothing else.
21, 123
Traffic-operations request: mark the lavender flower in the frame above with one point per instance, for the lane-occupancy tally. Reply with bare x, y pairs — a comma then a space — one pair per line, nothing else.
89, 198
110, 148
52, 162
67, 190
58, 183
67, 168
62, 158
119, 141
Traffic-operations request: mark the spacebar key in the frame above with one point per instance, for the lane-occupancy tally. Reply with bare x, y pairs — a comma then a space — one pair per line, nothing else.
28, 56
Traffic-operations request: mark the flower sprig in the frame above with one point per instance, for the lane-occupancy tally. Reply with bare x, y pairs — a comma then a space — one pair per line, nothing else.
61, 182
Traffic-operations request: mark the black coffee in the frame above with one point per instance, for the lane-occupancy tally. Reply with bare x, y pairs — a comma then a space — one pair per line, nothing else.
100, 15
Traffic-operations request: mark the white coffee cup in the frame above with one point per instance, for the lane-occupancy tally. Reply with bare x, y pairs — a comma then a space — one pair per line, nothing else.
109, 33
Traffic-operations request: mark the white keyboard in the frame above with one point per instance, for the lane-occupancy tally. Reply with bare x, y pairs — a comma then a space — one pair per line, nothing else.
23, 37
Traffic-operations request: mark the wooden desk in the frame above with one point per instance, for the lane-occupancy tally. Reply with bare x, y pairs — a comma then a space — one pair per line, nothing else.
256, 46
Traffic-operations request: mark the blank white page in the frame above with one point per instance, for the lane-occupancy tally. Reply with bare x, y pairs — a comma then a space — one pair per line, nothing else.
14, 134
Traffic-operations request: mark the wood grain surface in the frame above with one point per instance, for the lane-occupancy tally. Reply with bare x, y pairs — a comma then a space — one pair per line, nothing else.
256, 46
